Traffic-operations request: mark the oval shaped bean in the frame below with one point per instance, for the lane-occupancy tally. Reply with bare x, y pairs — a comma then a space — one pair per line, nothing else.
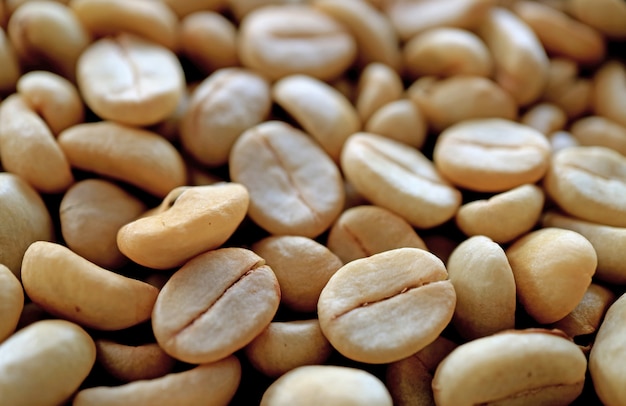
355, 305
130, 80
185, 7
45, 363
378, 85
600, 131
11, 302
67, 285
214, 305
133, 363
401, 120
295, 188
607, 16
567, 89
139, 157
609, 89
198, 219
546, 118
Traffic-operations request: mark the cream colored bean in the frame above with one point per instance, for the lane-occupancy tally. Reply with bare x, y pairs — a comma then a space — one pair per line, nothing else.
295, 188
504, 216
410, 380
25, 219
491, 155
327, 385
48, 33
589, 183
606, 360
12, 5
133, 363
54, 98
221, 108
546, 118
518, 367
28, 148
453, 100
553, 269
45, 363
136, 156
400, 179
608, 242
199, 219
91, 213
600, 131
560, 140
561, 34
67, 285
401, 120
355, 305
185, 7
609, 92
378, 85
241, 8
151, 20
485, 288
282, 40
447, 52
521, 64
566, 89
366, 230
216, 304
321, 111
10, 72
11, 302
214, 384
130, 80
375, 37
209, 40
607, 16
284, 346
302, 266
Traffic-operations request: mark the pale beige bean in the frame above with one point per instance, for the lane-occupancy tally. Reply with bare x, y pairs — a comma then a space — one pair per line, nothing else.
553, 269
453, 100
546, 118
11, 302
504, 216
562, 139
130, 80
410, 18
366, 230
607, 16
485, 288
241, 8
69, 286
152, 20
327, 385
321, 111
375, 36
184, 7
567, 89
282, 40
54, 98
378, 85
28, 148
561, 34
136, 156
91, 213
214, 305
198, 219
25, 219
589, 183
400, 179
607, 364
410, 380
517, 367
48, 33
600, 131
609, 92
220, 109
491, 155
209, 40
12, 5
447, 52
521, 64
284, 346
207, 384
355, 305
302, 266
133, 363
401, 120
45, 363
608, 242
295, 188
10, 72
